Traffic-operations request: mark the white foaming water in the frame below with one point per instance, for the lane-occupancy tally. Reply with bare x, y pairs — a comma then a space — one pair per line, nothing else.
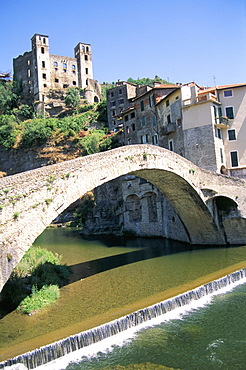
120, 339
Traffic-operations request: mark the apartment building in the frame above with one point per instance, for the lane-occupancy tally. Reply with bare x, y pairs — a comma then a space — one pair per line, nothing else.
205, 125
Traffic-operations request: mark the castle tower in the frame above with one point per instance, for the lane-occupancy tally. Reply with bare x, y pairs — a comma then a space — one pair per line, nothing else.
41, 66
83, 55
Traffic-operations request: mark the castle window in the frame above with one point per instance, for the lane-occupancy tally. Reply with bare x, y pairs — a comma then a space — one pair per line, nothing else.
121, 101
55, 64
86, 71
112, 103
113, 113
74, 82
120, 91
142, 105
44, 40
28, 73
64, 65
73, 67
28, 62
65, 86
44, 76
86, 57
56, 80
64, 70
45, 85
42, 50
43, 64
87, 82
87, 49
132, 114
126, 118
133, 127
112, 93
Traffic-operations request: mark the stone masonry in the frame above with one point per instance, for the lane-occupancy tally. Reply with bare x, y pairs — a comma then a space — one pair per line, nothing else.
31, 200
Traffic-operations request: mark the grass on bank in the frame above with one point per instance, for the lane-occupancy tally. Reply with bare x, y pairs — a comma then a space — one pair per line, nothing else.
35, 281
39, 298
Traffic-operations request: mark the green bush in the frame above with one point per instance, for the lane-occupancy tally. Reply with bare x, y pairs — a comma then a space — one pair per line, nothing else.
9, 130
90, 143
37, 131
39, 298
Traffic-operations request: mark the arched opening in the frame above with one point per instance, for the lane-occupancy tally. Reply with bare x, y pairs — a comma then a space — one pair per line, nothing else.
96, 100
223, 170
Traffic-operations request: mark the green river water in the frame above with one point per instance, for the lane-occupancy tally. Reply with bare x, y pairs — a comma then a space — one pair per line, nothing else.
112, 277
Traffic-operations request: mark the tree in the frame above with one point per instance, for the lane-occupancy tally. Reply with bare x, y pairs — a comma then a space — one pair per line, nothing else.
72, 98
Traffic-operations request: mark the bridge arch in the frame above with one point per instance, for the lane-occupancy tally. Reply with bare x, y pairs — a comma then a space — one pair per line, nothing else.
31, 200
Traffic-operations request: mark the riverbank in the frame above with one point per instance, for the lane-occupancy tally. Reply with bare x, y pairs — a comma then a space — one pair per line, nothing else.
112, 290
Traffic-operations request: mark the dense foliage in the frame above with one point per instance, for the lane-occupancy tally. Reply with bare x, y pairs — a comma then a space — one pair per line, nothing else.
38, 268
148, 81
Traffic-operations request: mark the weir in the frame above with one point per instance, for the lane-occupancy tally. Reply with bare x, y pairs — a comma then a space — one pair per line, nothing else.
48, 353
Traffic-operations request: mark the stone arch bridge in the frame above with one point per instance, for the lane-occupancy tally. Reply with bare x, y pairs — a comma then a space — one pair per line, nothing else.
212, 207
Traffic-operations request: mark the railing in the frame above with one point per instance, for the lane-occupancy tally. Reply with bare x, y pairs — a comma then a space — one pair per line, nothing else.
199, 99
222, 122
169, 128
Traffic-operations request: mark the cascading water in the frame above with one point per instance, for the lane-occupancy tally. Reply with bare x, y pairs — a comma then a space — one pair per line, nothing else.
48, 353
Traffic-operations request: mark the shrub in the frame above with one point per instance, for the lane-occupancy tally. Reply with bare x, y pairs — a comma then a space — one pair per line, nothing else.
39, 298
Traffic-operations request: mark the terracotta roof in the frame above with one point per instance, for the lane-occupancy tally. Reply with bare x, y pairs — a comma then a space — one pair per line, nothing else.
223, 87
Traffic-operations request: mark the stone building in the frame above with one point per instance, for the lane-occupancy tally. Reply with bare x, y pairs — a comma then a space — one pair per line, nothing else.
46, 77
118, 99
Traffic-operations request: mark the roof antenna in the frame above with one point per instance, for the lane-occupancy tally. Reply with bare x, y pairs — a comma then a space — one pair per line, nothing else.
214, 80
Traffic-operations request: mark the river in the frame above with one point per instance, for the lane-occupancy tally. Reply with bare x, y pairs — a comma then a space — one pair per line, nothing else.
112, 277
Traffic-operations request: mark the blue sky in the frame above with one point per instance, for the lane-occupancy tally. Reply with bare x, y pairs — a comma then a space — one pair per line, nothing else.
180, 41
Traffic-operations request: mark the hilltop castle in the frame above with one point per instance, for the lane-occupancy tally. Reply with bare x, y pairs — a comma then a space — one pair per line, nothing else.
46, 77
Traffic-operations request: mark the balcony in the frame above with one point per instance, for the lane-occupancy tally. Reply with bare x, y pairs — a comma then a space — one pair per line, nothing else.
199, 99
222, 122
168, 129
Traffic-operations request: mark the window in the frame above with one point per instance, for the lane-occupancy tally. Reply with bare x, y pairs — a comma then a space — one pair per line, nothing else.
121, 101
56, 80
74, 83
87, 82
113, 112
28, 62
144, 139
152, 100
143, 121
154, 139
167, 103
229, 111
73, 67
28, 73
142, 105
87, 49
44, 40
227, 93
133, 115
231, 135
65, 86
126, 118
86, 71
221, 155
43, 64
168, 118
120, 91
45, 85
44, 76
127, 130
154, 120
112, 93
55, 64
64, 65
112, 103
218, 131
234, 159
133, 127
86, 57
170, 145
42, 50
